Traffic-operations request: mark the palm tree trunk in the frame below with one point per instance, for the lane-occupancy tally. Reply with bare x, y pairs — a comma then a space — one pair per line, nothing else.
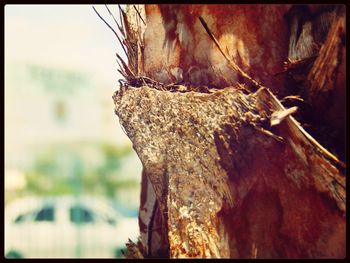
228, 171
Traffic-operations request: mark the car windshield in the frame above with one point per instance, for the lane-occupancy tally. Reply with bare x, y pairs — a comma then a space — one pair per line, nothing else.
24, 217
46, 213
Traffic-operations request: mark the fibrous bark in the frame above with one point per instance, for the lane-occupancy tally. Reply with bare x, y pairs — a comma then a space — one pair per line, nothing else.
225, 186
228, 172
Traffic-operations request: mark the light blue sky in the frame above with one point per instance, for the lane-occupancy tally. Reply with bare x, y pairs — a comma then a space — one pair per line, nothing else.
61, 38
70, 36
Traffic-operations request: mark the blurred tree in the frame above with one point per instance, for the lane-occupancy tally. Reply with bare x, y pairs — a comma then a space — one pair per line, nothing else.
49, 173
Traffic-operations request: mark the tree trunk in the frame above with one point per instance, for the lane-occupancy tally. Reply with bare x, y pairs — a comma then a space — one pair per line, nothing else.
228, 172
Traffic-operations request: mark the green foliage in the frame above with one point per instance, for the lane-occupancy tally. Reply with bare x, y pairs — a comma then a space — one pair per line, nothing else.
46, 184
65, 170
45, 164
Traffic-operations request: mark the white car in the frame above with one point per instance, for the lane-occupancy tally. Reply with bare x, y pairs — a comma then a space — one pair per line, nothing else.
66, 227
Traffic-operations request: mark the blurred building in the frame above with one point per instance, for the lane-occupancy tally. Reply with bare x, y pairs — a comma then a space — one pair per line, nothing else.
62, 137
53, 108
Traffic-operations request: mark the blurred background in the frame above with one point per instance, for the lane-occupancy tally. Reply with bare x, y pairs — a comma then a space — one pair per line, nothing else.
72, 180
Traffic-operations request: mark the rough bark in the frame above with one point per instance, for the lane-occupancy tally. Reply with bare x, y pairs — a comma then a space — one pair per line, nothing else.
227, 188
228, 172
325, 89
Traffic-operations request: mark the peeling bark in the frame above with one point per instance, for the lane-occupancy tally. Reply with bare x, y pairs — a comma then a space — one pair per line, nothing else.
210, 164
228, 172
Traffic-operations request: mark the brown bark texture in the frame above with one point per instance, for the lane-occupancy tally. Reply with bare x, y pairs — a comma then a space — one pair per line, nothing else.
228, 172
